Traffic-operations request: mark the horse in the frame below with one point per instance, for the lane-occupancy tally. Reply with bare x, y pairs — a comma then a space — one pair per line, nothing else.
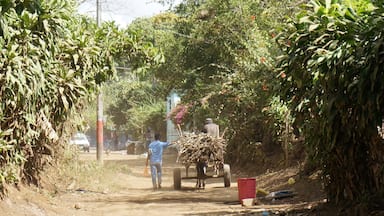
201, 170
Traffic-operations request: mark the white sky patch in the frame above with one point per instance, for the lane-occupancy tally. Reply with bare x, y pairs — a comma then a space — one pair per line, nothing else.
123, 12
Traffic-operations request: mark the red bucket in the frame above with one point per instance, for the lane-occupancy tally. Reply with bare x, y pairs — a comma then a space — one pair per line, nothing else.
247, 188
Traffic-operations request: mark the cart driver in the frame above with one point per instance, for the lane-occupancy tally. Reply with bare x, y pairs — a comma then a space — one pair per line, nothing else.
211, 128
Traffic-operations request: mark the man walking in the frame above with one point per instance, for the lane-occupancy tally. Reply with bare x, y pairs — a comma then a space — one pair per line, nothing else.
155, 155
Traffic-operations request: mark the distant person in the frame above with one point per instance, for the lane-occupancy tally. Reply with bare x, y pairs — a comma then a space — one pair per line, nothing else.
211, 128
155, 155
148, 138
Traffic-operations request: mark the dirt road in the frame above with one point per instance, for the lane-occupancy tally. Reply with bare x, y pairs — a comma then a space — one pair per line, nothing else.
126, 191
137, 197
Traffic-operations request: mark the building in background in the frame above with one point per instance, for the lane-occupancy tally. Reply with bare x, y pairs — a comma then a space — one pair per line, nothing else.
172, 100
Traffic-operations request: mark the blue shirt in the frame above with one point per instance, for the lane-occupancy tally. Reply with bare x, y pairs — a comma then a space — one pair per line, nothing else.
156, 147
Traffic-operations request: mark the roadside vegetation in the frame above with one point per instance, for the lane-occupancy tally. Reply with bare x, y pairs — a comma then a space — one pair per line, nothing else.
72, 174
288, 81
52, 65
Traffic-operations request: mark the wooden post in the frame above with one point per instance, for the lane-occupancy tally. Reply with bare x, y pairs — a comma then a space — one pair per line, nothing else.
286, 137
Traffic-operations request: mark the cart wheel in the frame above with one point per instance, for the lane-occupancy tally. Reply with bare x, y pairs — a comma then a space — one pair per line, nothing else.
227, 175
177, 179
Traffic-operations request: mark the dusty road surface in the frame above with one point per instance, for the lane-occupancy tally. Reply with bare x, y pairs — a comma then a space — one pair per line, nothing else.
121, 189
136, 196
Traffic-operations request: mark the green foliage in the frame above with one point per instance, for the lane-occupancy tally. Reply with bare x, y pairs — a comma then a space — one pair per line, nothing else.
52, 63
219, 55
136, 107
149, 115
134, 55
137, 51
333, 81
136, 102
220, 58
159, 31
39, 83
280, 114
9, 173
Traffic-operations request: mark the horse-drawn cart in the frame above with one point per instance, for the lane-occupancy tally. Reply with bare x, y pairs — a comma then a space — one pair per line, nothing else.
224, 173
206, 154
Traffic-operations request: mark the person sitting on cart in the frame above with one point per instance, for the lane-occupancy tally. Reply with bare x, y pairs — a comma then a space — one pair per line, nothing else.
212, 129
155, 155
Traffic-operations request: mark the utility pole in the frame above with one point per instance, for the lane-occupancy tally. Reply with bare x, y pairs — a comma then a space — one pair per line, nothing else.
99, 130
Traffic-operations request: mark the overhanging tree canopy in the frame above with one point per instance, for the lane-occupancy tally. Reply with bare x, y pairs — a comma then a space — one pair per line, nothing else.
335, 84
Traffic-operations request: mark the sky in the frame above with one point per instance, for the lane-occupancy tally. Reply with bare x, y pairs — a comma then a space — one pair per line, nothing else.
122, 12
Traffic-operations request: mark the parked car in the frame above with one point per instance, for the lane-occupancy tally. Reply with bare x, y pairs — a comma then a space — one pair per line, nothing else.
80, 140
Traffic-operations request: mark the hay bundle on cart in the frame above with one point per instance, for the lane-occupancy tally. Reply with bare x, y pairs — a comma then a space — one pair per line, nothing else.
200, 147
195, 148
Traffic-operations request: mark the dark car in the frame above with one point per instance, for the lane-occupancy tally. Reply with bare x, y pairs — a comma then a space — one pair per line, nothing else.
135, 147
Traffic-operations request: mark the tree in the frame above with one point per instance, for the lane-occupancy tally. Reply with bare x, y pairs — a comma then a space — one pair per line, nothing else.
43, 81
333, 80
134, 101
52, 63
221, 62
136, 108
219, 56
